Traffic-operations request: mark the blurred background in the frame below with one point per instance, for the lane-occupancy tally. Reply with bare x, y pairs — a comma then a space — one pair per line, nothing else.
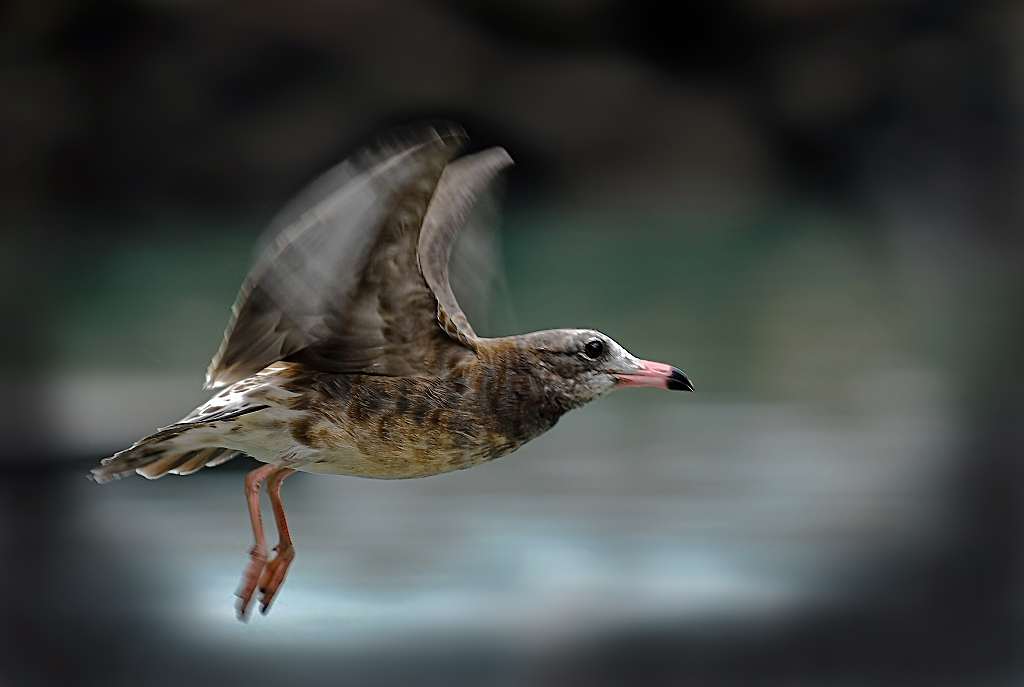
811, 206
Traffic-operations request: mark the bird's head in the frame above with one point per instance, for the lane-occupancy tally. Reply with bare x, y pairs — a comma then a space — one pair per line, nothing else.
580, 365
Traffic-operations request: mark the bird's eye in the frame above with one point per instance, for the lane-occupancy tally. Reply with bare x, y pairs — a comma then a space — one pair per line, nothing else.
594, 349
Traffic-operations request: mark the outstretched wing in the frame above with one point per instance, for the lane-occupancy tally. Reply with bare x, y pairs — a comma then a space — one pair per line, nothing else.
340, 288
460, 185
313, 270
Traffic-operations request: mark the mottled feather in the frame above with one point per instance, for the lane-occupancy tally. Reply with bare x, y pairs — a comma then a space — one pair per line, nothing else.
325, 287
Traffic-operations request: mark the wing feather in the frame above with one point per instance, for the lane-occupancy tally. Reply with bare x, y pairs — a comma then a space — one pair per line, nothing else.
304, 289
355, 276
461, 183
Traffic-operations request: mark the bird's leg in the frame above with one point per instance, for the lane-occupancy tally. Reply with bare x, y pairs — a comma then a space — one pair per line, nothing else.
258, 555
273, 574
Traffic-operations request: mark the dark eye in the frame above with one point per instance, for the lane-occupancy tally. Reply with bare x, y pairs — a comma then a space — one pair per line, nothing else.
594, 349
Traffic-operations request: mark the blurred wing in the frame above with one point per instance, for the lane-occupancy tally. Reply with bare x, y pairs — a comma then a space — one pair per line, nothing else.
476, 268
338, 287
390, 325
462, 182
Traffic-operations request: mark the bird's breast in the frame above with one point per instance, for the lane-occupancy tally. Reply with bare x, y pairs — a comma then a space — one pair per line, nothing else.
401, 427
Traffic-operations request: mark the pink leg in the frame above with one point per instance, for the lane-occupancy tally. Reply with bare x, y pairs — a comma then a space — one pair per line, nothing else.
258, 555
273, 574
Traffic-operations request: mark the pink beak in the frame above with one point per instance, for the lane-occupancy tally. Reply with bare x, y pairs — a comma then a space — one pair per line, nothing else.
650, 373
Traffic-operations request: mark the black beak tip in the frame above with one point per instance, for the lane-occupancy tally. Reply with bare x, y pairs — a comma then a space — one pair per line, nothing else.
678, 381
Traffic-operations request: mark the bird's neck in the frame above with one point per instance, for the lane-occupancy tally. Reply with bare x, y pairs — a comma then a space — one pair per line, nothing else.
515, 388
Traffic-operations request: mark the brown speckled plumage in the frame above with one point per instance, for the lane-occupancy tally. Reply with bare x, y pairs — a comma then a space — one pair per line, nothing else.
347, 352
486, 406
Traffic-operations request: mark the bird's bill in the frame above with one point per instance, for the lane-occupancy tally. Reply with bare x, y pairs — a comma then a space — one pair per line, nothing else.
650, 373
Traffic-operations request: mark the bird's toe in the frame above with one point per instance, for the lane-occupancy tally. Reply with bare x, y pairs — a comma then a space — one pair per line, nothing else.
250, 578
273, 576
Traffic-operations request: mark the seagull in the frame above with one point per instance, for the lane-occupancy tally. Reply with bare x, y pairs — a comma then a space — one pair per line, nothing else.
347, 353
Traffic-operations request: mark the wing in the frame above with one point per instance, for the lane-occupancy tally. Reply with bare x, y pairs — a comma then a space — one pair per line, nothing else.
460, 185
314, 284
341, 289
390, 326
476, 268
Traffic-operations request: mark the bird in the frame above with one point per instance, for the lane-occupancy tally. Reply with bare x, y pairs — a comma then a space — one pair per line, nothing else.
347, 353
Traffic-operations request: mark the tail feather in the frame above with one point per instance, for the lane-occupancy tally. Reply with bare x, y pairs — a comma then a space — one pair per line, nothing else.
198, 461
171, 449
142, 453
157, 455
222, 458
151, 460
164, 464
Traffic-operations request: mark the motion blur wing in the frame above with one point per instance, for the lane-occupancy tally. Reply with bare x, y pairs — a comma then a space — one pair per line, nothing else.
340, 288
476, 268
461, 184
336, 277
